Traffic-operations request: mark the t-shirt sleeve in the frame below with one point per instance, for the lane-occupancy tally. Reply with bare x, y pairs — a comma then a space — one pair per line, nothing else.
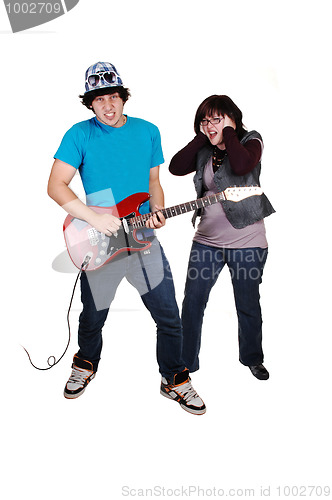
71, 148
157, 152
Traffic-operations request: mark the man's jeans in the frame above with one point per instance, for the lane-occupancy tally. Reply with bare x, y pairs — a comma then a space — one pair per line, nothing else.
150, 274
246, 268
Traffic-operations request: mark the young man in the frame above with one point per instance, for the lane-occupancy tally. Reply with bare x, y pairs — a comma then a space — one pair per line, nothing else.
118, 156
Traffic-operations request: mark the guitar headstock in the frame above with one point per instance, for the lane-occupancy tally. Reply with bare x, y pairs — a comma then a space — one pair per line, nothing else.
240, 193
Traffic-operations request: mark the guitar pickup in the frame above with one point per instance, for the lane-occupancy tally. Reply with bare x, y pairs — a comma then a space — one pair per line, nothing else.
93, 236
125, 225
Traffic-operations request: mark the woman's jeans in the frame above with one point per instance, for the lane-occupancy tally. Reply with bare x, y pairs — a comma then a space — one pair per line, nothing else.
246, 268
150, 274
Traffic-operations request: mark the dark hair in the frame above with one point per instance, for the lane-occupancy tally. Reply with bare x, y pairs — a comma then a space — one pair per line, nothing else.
90, 96
219, 105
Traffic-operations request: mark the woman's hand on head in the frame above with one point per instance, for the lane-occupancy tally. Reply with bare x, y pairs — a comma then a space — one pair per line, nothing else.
228, 122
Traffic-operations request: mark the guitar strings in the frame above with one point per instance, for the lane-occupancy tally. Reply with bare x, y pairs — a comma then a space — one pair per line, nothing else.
51, 360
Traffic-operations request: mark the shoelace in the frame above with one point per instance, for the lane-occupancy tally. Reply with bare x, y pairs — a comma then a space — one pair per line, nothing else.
187, 391
78, 376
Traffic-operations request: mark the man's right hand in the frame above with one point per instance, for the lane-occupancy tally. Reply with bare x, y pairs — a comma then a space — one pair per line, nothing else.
105, 223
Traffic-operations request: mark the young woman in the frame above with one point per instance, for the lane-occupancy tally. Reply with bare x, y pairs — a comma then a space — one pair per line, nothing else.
224, 154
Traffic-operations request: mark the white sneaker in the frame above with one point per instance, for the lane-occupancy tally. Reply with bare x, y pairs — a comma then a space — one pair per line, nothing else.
183, 392
82, 373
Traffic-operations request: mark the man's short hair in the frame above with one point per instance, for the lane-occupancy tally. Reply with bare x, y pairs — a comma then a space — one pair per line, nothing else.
90, 96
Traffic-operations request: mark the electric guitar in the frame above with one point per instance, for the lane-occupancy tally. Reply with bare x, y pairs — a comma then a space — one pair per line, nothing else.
90, 249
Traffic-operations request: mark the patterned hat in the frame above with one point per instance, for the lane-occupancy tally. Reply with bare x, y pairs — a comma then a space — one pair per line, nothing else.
102, 75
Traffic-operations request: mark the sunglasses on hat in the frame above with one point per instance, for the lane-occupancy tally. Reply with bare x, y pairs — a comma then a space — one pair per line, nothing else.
109, 78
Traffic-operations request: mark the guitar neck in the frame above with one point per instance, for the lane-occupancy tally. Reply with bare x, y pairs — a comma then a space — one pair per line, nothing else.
139, 221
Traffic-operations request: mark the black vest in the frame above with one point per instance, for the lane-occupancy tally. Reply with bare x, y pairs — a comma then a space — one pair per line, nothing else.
242, 213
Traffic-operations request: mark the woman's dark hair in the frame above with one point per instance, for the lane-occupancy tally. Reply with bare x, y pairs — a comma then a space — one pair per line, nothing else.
90, 96
217, 105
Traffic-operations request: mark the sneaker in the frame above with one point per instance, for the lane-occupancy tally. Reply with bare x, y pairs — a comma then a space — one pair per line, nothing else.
82, 373
183, 392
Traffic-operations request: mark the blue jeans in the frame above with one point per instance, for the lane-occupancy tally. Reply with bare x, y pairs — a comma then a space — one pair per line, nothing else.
246, 268
150, 274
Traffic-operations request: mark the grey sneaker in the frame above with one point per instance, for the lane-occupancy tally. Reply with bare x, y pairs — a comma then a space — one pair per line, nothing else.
181, 390
82, 373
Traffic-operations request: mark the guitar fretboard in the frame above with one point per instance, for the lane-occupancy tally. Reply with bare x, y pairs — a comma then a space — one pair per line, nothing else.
139, 221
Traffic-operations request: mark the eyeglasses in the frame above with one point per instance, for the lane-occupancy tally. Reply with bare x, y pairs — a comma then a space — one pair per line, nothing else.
108, 76
214, 121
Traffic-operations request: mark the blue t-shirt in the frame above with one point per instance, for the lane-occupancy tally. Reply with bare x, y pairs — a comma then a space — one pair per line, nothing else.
114, 163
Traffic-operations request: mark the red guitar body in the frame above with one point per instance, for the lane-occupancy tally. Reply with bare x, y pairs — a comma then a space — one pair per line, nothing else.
85, 243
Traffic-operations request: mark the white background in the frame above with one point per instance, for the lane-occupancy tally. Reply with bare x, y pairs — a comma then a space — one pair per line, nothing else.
273, 60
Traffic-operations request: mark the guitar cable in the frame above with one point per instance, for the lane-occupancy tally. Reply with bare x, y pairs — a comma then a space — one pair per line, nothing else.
51, 360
